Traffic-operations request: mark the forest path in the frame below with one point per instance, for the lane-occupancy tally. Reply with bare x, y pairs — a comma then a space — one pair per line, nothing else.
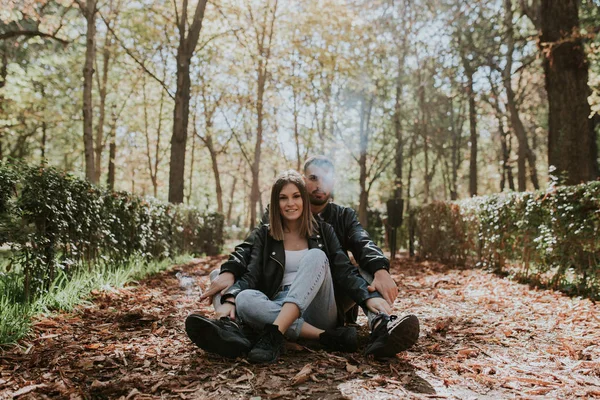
482, 336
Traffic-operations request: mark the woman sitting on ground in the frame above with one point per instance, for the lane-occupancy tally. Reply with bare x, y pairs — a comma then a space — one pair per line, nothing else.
289, 287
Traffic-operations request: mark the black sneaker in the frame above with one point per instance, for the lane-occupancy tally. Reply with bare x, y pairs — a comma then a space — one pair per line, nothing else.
269, 346
340, 339
392, 335
220, 336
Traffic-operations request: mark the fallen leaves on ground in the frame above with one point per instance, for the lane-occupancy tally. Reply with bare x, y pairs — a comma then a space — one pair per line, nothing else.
482, 336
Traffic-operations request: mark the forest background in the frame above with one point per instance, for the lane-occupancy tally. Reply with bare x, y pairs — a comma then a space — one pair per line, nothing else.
204, 103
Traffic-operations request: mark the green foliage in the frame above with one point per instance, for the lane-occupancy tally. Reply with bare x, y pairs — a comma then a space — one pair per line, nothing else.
67, 291
376, 226
59, 225
552, 236
441, 233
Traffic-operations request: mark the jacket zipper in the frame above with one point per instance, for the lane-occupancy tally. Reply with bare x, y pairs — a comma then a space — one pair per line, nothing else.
277, 261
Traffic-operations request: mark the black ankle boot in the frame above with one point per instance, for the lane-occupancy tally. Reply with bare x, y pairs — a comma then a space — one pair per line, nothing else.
340, 339
269, 346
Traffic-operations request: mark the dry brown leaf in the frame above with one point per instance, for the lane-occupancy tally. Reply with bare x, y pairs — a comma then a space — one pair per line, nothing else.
303, 375
27, 389
467, 353
353, 369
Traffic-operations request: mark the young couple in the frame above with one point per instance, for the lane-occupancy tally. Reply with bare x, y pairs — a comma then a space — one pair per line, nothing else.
292, 278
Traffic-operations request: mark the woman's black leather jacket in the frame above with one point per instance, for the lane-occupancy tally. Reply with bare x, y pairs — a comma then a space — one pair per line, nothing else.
266, 268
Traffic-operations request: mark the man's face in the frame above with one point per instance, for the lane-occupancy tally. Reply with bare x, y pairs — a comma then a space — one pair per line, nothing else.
319, 183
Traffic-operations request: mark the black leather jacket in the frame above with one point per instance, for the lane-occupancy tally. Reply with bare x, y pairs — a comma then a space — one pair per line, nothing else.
267, 265
348, 230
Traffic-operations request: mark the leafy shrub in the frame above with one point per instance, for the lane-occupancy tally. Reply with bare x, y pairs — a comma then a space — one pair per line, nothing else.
58, 224
441, 233
551, 236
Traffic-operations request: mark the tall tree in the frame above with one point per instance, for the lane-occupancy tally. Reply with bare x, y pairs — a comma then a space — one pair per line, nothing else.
264, 30
525, 154
89, 10
188, 39
572, 147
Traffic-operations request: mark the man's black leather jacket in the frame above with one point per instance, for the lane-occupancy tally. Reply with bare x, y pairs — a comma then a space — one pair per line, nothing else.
267, 265
348, 230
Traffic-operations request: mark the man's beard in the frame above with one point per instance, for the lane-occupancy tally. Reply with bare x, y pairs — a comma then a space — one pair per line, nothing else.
318, 202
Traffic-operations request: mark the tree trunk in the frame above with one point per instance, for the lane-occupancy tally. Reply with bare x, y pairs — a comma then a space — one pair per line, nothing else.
398, 128
89, 11
524, 153
112, 153
3, 75
215, 167
99, 147
185, 51
473, 129
365, 116
191, 180
572, 146
44, 139
255, 192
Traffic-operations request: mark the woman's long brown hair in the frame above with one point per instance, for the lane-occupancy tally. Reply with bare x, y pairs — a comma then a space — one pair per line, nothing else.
307, 221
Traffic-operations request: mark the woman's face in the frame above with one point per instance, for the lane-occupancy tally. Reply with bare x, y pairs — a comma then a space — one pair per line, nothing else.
290, 202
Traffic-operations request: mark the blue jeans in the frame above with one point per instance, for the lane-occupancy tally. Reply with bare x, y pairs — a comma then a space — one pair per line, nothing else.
312, 291
344, 302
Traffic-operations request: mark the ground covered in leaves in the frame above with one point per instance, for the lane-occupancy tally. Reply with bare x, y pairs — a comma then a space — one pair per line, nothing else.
482, 336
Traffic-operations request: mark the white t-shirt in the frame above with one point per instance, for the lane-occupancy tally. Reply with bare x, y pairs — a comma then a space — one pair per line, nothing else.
292, 262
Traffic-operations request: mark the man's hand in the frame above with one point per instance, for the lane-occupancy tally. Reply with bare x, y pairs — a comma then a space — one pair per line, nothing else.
385, 285
377, 305
226, 310
220, 284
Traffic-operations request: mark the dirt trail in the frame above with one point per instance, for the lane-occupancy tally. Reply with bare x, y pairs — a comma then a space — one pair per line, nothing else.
482, 336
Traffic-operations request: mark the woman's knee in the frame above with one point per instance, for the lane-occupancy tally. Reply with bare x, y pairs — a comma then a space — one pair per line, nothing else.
316, 258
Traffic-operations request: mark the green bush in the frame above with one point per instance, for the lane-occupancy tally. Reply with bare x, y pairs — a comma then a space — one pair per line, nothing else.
551, 236
441, 233
57, 223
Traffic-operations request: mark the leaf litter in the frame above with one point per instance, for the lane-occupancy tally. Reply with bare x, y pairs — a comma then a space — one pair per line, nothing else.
482, 336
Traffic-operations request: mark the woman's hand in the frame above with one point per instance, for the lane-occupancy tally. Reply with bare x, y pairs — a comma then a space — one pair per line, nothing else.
377, 305
220, 284
226, 310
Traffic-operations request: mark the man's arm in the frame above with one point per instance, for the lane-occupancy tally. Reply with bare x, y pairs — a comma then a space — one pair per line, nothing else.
369, 257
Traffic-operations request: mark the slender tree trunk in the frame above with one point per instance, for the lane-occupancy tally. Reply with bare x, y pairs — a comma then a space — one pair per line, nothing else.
423, 131
99, 147
524, 152
185, 51
89, 11
255, 192
232, 192
191, 179
215, 167
473, 129
264, 41
44, 138
365, 116
297, 132
572, 146
112, 153
3, 75
398, 127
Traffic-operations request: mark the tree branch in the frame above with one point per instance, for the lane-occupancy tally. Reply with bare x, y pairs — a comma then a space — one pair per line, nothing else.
32, 33
140, 63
